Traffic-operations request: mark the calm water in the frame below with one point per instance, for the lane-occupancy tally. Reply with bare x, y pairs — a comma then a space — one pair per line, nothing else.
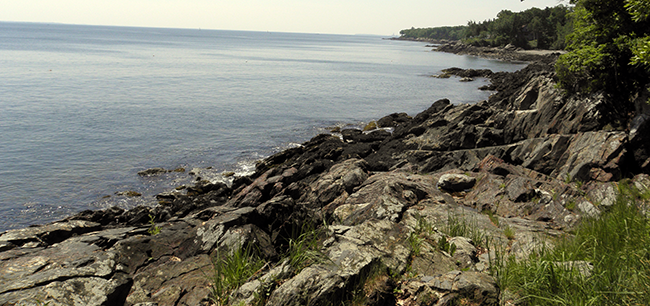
84, 108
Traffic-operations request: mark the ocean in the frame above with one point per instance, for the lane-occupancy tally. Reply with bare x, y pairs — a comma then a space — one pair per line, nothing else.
84, 108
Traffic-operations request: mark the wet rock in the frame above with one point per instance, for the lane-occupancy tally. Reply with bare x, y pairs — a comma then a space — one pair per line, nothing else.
152, 172
393, 120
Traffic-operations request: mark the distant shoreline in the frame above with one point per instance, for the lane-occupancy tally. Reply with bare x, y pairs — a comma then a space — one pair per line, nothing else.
508, 53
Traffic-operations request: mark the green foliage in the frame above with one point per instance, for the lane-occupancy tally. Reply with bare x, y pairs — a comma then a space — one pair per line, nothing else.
232, 270
459, 226
415, 243
509, 232
41, 303
570, 205
546, 29
618, 246
153, 228
449, 33
493, 218
304, 248
444, 245
608, 47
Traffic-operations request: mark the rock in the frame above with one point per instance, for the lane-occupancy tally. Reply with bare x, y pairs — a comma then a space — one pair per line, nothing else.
172, 281
475, 288
393, 120
387, 196
48, 234
386, 222
456, 182
129, 193
588, 209
152, 172
370, 126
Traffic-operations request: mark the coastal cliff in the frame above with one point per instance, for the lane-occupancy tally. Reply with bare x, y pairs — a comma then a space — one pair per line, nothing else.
413, 212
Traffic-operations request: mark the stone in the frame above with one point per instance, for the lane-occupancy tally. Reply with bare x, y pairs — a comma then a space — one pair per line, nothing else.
456, 182
152, 172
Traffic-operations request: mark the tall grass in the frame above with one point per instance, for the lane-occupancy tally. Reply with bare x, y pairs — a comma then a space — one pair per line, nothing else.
304, 247
459, 226
617, 244
231, 270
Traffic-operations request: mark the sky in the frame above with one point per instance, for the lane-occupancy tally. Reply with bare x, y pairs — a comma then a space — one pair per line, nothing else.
381, 17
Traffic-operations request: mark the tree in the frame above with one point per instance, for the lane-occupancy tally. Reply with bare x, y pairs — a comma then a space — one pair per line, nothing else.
640, 11
608, 48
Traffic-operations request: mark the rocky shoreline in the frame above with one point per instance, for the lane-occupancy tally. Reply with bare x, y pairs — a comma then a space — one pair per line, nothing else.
507, 53
523, 166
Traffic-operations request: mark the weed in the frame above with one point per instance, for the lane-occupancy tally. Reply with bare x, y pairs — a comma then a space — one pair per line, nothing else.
568, 179
153, 228
493, 218
555, 194
570, 205
231, 271
502, 186
509, 232
459, 226
304, 248
535, 200
579, 183
41, 303
415, 242
372, 125
422, 231
444, 245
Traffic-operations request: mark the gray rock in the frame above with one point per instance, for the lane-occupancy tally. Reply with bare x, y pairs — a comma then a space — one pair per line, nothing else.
456, 182
588, 209
47, 234
386, 196
152, 172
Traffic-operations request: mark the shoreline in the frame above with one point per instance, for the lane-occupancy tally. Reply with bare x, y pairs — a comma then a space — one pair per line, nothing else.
373, 190
504, 54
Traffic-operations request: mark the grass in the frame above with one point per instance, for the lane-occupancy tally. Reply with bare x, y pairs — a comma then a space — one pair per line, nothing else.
231, 271
305, 248
509, 232
618, 246
570, 205
493, 218
460, 226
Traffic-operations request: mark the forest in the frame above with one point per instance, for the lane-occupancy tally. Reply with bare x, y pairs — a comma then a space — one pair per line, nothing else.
534, 28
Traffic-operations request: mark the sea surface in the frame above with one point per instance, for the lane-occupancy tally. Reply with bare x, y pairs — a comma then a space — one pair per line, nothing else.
84, 108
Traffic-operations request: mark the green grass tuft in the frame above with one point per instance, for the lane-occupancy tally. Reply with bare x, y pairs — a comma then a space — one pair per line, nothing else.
232, 270
459, 226
305, 248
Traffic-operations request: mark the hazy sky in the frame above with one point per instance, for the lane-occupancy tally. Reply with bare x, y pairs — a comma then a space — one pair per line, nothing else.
382, 17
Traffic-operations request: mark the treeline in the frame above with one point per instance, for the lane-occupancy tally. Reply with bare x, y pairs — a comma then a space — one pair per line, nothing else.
533, 28
439, 33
